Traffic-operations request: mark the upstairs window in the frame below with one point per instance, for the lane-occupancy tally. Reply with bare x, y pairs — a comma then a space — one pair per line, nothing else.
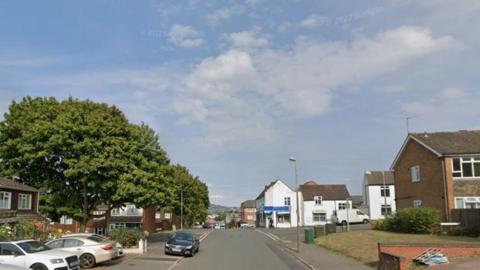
5, 200
286, 201
318, 200
465, 167
415, 174
385, 191
417, 203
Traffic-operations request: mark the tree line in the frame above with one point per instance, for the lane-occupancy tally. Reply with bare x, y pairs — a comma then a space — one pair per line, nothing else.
82, 154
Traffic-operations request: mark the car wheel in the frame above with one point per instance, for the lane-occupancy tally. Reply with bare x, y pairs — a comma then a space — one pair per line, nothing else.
87, 261
344, 223
38, 266
365, 221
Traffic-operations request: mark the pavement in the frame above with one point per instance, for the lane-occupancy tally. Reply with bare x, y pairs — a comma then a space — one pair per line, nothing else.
237, 249
314, 256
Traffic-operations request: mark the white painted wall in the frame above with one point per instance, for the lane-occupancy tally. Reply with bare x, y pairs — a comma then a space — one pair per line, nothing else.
374, 201
274, 196
328, 206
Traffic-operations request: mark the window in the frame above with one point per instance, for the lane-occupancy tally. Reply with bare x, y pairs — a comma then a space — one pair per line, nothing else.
100, 231
286, 201
342, 206
115, 212
459, 203
114, 226
55, 244
319, 217
466, 167
386, 210
417, 203
385, 191
9, 250
318, 200
65, 220
5, 200
415, 174
68, 243
283, 218
24, 201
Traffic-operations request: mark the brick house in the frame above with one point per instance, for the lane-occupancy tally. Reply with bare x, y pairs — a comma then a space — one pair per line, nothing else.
248, 212
439, 170
18, 202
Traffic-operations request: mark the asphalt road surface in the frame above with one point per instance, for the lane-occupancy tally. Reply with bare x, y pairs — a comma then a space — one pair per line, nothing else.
239, 249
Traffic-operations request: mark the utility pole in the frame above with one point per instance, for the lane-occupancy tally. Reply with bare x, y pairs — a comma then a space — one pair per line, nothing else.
348, 215
292, 159
407, 121
384, 192
181, 210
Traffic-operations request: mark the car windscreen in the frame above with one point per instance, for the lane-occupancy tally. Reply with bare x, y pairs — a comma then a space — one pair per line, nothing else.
183, 236
33, 246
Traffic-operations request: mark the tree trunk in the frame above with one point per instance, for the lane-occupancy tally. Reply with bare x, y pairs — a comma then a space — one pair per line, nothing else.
107, 219
83, 224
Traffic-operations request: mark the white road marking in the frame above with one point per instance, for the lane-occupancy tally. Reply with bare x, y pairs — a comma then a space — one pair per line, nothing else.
269, 235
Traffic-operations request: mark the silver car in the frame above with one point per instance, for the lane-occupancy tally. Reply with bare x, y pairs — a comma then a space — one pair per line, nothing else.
89, 249
120, 252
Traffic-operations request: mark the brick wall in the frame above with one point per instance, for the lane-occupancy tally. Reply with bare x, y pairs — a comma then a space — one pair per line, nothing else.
399, 256
430, 189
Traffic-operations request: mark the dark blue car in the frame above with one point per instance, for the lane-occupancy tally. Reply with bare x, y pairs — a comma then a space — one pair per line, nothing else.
182, 243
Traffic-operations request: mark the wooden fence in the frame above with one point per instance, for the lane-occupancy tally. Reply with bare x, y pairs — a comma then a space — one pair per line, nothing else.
467, 217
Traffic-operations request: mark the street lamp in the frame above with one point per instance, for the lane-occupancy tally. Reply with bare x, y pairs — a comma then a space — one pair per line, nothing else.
294, 160
181, 210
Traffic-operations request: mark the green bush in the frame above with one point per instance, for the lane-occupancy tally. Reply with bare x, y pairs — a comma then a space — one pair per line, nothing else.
464, 231
414, 220
378, 225
19, 231
126, 237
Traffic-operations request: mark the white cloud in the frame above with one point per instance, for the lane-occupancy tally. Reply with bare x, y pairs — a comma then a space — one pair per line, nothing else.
216, 196
224, 14
185, 36
248, 39
192, 107
313, 21
454, 92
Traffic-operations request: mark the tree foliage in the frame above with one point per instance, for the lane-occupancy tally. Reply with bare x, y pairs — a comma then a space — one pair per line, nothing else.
72, 148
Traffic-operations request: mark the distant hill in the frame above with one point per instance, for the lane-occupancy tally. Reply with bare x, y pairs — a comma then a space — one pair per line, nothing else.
215, 209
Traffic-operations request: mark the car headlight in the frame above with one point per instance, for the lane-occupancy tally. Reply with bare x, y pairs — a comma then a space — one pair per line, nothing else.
55, 261
167, 245
189, 247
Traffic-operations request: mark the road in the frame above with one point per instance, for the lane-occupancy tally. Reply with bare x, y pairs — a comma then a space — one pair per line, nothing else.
234, 249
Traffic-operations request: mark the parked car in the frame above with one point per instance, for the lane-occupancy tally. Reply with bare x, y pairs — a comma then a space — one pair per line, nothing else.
247, 225
207, 226
119, 246
89, 249
182, 243
36, 256
353, 216
216, 226
11, 267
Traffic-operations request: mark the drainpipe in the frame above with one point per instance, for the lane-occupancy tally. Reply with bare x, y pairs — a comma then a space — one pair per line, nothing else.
445, 193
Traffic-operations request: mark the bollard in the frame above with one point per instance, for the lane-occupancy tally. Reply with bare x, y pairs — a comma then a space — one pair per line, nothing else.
141, 247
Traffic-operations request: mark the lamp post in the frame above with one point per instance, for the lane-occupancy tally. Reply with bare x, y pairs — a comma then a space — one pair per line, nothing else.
294, 160
181, 210
348, 216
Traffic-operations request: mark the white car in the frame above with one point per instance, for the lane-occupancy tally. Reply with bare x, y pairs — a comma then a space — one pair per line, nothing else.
89, 249
36, 256
11, 267
119, 246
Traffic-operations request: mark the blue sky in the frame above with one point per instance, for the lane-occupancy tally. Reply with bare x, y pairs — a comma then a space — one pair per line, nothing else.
234, 88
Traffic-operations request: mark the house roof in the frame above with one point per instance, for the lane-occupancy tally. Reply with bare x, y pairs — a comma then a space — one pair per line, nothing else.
266, 188
357, 200
463, 142
248, 204
328, 192
376, 178
11, 184
451, 143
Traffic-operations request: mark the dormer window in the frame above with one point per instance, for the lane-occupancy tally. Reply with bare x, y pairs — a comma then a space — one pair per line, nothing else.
318, 200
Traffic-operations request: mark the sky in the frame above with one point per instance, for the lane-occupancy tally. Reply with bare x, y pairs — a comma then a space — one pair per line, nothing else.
235, 88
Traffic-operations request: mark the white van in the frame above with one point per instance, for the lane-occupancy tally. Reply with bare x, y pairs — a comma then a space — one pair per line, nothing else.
353, 216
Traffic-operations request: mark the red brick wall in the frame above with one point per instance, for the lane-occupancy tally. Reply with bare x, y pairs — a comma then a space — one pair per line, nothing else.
430, 189
388, 253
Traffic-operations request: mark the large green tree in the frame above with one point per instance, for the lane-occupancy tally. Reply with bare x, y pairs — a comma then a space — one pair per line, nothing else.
78, 153
194, 193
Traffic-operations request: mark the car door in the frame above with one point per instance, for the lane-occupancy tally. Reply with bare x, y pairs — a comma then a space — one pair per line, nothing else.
55, 243
11, 254
73, 245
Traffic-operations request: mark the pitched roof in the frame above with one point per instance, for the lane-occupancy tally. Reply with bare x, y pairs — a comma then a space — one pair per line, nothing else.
11, 184
248, 204
266, 188
376, 178
451, 143
328, 192
357, 200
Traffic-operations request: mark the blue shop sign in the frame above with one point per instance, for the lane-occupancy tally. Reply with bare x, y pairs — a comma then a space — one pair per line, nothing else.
271, 209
